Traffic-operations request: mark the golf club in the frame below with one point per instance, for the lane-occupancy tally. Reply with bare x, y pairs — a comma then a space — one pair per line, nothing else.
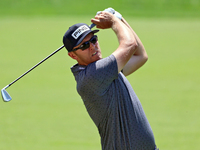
6, 97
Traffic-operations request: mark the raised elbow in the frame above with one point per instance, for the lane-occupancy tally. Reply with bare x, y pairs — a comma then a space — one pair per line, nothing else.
144, 57
132, 45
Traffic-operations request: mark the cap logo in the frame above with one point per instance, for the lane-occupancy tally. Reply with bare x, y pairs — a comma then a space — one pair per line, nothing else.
80, 31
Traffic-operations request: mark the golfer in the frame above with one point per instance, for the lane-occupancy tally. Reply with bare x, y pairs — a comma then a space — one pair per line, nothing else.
107, 95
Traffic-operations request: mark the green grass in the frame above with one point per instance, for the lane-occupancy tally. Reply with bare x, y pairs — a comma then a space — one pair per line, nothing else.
46, 113
141, 8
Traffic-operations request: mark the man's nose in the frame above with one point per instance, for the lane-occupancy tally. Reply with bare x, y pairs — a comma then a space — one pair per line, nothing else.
92, 46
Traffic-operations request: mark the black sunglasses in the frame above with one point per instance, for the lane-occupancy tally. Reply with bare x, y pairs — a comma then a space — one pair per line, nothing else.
86, 44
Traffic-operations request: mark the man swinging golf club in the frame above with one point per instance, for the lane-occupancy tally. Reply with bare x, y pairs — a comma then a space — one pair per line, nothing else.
107, 95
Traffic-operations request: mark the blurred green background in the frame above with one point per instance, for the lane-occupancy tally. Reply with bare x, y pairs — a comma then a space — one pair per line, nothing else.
46, 112
141, 8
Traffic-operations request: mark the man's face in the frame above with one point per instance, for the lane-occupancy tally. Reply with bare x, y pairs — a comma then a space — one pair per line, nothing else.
89, 55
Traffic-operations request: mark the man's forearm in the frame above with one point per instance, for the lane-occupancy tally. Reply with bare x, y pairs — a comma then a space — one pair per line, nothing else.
138, 58
127, 40
140, 49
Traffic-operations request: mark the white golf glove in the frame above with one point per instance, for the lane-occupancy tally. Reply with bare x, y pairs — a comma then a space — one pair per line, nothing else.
118, 15
111, 10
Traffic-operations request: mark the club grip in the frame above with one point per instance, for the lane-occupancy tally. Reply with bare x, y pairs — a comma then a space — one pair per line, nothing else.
92, 26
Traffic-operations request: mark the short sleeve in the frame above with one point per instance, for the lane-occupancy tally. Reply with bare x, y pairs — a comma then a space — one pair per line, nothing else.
98, 76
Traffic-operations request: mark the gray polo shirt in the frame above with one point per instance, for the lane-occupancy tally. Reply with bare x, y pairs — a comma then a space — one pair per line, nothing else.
113, 106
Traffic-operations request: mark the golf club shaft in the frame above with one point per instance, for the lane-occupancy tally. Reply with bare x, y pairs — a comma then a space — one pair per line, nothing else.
37, 65
91, 26
6, 97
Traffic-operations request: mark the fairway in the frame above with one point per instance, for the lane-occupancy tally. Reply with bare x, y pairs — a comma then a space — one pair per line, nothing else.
46, 112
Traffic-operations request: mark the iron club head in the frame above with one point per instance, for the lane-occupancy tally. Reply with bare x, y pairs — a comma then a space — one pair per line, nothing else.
6, 97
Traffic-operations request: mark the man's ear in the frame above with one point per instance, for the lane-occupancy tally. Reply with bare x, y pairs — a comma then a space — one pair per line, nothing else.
72, 55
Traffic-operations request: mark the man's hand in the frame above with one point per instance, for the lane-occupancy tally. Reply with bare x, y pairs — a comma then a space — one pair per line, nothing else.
104, 20
112, 11
130, 55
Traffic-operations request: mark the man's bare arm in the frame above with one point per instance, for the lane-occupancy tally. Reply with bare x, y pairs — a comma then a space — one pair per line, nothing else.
127, 41
139, 58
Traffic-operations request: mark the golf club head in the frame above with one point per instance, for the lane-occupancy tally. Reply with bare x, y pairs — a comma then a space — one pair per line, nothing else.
6, 97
